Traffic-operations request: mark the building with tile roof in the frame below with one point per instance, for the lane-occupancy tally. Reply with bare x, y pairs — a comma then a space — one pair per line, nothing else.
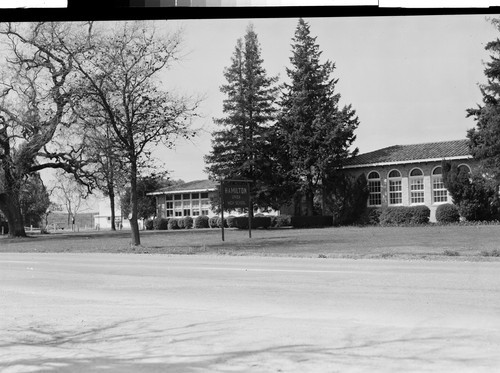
409, 175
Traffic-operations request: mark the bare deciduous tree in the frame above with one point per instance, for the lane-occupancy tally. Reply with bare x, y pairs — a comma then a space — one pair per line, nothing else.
121, 90
36, 88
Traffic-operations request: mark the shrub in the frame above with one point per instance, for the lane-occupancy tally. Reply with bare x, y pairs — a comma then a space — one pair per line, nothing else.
148, 224
241, 222
188, 222
475, 196
201, 221
402, 215
311, 221
173, 224
180, 223
220, 222
160, 224
371, 216
230, 221
447, 213
261, 222
281, 221
213, 222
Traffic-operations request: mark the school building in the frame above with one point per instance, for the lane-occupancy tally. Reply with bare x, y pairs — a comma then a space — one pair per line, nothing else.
410, 175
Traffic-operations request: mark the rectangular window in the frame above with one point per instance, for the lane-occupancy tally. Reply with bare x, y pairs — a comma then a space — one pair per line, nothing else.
439, 192
177, 197
169, 209
196, 212
417, 191
186, 196
375, 197
187, 212
178, 208
168, 197
204, 195
195, 195
205, 203
204, 212
395, 192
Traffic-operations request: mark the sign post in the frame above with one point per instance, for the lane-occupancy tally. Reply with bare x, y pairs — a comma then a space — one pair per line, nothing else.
221, 197
236, 194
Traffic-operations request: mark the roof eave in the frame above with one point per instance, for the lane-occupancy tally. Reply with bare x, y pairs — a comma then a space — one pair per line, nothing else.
377, 164
181, 191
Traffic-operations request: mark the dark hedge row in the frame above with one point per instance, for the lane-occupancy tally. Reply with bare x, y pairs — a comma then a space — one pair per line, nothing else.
405, 215
311, 221
258, 221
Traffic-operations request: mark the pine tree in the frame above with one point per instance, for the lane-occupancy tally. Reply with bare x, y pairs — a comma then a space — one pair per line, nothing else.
241, 148
484, 140
317, 134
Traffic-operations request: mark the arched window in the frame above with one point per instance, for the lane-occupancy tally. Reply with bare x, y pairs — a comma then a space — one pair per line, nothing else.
464, 167
375, 196
416, 186
395, 188
439, 192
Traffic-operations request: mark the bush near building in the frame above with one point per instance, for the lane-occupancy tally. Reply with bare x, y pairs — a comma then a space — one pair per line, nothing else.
188, 222
173, 224
311, 221
213, 222
160, 224
149, 224
230, 221
403, 215
371, 216
447, 213
281, 221
201, 221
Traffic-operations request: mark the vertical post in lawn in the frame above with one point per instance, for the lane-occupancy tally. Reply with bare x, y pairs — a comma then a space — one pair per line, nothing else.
221, 204
250, 212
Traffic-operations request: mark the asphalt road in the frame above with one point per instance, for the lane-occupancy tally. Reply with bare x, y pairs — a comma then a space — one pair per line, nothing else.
158, 313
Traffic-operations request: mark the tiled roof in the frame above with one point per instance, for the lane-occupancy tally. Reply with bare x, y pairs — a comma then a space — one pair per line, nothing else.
409, 153
191, 185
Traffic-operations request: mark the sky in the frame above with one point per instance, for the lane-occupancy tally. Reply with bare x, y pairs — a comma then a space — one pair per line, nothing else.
409, 78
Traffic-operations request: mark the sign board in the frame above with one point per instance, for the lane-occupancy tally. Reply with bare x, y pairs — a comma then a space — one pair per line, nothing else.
235, 195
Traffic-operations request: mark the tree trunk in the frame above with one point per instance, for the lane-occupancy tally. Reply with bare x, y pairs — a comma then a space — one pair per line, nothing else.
10, 207
111, 194
309, 202
297, 204
110, 181
134, 226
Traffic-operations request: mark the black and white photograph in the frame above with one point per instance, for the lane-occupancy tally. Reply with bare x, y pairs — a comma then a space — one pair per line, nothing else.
249, 186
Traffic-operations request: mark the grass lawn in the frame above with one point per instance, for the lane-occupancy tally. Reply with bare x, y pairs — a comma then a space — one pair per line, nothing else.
428, 242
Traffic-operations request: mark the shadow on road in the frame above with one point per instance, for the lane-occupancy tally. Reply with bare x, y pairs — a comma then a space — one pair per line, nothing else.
143, 345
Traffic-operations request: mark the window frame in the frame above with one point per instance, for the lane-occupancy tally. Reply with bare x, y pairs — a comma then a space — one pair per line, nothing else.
435, 191
417, 196
398, 182
375, 189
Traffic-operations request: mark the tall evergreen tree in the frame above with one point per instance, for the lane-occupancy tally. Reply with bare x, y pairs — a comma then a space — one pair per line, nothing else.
484, 139
241, 147
315, 132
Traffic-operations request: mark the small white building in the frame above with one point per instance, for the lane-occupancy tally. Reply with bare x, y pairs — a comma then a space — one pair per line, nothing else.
103, 218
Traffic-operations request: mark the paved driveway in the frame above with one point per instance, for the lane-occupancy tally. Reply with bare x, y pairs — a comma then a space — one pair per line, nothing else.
158, 313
